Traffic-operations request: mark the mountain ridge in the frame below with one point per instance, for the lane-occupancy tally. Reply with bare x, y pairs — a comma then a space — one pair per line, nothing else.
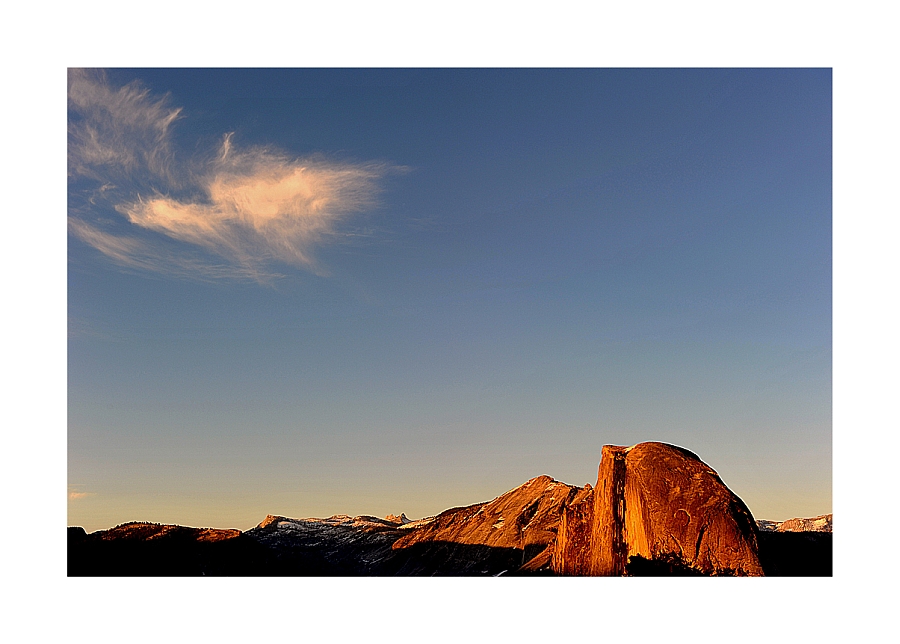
821, 523
542, 526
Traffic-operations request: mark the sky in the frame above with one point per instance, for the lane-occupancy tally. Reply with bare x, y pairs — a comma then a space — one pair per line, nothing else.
310, 292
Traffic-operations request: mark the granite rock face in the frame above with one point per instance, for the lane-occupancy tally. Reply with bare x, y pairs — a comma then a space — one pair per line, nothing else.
656, 505
570, 552
506, 533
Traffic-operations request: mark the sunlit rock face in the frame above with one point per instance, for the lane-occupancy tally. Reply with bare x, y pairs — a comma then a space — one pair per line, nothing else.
570, 553
657, 507
505, 534
656, 510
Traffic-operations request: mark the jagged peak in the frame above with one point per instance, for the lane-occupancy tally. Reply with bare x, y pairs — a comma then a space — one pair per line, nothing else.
401, 520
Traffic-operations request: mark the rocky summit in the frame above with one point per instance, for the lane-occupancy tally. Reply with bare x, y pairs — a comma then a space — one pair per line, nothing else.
506, 533
656, 509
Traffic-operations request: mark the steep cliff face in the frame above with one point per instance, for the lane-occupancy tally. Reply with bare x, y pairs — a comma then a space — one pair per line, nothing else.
609, 551
570, 553
658, 504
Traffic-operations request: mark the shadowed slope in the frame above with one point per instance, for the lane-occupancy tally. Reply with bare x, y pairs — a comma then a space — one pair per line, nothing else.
147, 549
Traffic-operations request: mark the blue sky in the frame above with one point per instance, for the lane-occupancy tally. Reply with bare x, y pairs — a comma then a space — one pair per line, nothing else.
309, 292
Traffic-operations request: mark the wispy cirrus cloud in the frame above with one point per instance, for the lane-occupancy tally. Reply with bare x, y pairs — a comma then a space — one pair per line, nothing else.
117, 133
75, 495
231, 213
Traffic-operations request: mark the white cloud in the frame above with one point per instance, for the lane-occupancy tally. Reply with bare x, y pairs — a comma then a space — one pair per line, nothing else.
248, 208
75, 496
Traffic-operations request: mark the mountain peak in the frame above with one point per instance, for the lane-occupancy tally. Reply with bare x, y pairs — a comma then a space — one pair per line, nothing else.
269, 520
401, 520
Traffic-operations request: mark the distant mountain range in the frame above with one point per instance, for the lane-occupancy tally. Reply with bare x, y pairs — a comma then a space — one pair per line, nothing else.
820, 523
626, 525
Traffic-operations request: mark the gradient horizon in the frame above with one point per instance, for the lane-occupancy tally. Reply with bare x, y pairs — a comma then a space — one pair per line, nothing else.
317, 292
